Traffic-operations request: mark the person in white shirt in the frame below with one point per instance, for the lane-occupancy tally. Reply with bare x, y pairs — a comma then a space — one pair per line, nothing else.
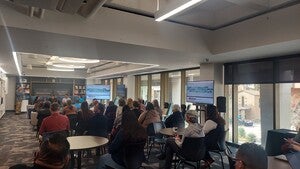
214, 130
194, 129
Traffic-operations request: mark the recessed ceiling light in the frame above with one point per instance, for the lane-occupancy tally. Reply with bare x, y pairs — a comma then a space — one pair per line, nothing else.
78, 60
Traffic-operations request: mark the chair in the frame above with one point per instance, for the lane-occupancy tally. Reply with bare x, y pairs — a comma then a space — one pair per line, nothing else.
154, 136
193, 150
231, 158
221, 146
134, 155
73, 123
47, 135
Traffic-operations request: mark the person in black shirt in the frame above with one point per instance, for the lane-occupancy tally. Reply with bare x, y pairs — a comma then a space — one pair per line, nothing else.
136, 109
97, 125
175, 119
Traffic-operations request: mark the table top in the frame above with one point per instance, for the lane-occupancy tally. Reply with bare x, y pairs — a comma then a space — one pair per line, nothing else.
86, 142
170, 132
274, 163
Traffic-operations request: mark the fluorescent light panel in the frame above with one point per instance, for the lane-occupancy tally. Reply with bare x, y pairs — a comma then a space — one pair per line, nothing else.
78, 60
2, 70
60, 69
17, 63
177, 9
69, 66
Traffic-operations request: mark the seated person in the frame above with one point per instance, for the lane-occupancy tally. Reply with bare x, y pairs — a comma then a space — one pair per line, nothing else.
69, 108
43, 113
53, 99
83, 117
97, 125
54, 122
293, 145
53, 154
175, 119
136, 109
213, 129
194, 129
251, 156
130, 132
110, 114
150, 116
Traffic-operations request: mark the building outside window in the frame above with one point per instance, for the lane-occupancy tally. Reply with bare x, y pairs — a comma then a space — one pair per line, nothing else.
155, 87
174, 87
144, 87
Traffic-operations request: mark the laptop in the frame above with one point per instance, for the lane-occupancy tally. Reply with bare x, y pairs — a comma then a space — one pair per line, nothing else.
293, 159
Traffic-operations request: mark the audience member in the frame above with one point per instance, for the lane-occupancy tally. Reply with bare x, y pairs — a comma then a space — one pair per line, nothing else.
131, 132
157, 108
94, 103
251, 156
293, 145
194, 129
53, 154
64, 100
84, 114
43, 113
118, 119
97, 125
55, 122
213, 129
130, 103
53, 99
69, 108
183, 109
148, 117
136, 109
175, 119
110, 114
142, 105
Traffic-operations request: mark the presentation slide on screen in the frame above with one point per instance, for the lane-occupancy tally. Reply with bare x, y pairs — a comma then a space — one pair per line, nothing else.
98, 92
200, 92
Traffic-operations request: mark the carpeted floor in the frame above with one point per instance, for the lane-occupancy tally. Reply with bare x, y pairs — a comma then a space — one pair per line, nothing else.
18, 143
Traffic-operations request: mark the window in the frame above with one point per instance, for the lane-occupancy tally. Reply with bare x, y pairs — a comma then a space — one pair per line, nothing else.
175, 87
144, 87
155, 87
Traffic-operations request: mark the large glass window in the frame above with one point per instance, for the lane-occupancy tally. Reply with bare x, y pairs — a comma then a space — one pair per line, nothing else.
228, 115
175, 87
192, 75
289, 105
144, 87
252, 112
155, 87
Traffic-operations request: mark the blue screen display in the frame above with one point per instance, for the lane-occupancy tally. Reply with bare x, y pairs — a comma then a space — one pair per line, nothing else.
98, 92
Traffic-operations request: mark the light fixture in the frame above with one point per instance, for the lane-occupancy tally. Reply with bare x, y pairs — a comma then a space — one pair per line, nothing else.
174, 8
69, 66
3, 71
29, 66
17, 63
60, 69
78, 60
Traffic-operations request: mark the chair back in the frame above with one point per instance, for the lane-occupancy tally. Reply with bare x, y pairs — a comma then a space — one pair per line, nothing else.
47, 135
231, 158
73, 121
134, 155
153, 129
193, 148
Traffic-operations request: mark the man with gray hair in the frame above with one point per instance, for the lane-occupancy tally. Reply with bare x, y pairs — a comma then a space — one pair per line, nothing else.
175, 119
251, 156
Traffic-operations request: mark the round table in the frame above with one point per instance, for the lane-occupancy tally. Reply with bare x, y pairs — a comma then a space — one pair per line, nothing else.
79, 143
170, 131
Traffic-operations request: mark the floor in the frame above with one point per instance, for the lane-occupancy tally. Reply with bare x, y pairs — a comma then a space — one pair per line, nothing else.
18, 143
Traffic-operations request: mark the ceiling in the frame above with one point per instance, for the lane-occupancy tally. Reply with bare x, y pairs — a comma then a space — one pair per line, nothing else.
201, 34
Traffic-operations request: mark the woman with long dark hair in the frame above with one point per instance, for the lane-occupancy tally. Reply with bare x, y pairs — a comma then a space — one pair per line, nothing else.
84, 115
150, 116
213, 129
130, 132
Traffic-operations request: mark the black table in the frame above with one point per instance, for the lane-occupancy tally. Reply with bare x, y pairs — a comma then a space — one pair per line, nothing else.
275, 139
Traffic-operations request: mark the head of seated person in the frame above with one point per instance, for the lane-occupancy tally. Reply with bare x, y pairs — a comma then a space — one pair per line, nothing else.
251, 156
99, 109
54, 153
175, 108
191, 117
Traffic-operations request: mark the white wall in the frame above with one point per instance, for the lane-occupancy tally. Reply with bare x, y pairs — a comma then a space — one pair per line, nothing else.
11, 93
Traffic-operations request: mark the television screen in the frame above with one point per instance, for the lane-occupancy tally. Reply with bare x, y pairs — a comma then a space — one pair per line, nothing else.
200, 92
121, 91
98, 92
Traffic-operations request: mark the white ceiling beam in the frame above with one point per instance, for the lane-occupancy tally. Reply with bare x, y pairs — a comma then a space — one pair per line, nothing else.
249, 4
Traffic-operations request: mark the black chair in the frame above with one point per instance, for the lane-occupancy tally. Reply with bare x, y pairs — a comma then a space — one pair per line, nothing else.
134, 155
73, 123
154, 136
231, 158
221, 146
193, 150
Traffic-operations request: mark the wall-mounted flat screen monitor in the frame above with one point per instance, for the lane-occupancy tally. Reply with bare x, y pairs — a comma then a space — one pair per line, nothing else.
97, 92
200, 92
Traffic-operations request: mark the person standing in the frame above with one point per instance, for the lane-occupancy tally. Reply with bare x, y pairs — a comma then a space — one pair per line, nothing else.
19, 98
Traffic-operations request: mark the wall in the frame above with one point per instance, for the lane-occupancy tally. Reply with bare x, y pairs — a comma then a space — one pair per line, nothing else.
11, 93
129, 82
